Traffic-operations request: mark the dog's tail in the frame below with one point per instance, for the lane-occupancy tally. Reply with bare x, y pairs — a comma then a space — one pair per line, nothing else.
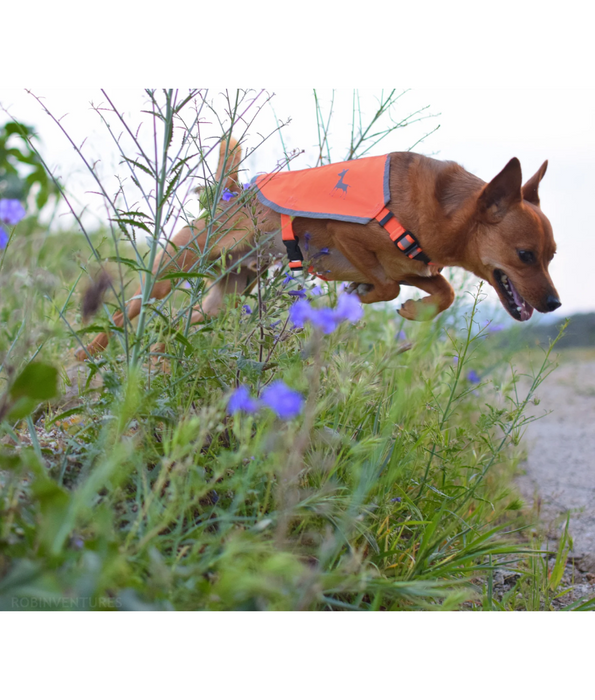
230, 159
228, 168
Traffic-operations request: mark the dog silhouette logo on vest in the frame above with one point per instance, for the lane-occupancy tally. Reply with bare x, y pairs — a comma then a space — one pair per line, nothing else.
341, 186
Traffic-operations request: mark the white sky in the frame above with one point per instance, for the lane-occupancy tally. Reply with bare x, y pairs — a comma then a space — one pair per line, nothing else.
479, 128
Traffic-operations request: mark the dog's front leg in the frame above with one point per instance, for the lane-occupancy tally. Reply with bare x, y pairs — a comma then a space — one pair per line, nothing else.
441, 296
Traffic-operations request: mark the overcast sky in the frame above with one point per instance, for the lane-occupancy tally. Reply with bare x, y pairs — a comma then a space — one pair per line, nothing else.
479, 128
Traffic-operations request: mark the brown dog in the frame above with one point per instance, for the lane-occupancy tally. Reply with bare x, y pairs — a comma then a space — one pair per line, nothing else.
495, 230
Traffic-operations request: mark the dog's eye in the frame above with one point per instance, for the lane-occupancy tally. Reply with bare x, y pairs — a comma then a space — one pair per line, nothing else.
527, 256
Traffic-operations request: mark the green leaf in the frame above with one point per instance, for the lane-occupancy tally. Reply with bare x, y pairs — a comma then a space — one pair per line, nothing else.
10, 461
251, 366
132, 222
182, 275
136, 164
65, 414
37, 381
21, 408
130, 263
185, 342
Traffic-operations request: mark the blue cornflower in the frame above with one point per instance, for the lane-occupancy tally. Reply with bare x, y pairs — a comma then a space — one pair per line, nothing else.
227, 195
11, 211
241, 400
3, 238
282, 400
473, 377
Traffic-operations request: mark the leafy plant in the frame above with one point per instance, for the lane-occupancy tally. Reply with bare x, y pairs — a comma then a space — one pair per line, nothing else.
290, 453
21, 168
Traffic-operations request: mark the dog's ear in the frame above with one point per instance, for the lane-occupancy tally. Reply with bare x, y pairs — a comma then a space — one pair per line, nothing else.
530, 188
501, 193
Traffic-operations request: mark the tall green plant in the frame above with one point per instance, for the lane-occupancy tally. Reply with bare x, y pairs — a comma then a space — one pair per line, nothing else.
21, 168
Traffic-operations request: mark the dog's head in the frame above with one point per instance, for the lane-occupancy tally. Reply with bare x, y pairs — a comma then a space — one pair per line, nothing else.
515, 243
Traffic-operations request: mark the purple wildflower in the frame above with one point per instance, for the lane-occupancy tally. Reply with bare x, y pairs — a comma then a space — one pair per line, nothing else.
247, 309
496, 328
325, 319
300, 312
316, 291
282, 400
297, 293
322, 251
288, 279
455, 360
395, 500
349, 308
11, 211
227, 195
401, 335
3, 238
247, 185
490, 327
473, 377
241, 400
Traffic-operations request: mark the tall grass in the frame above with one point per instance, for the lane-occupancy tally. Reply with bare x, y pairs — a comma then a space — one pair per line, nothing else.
390, 490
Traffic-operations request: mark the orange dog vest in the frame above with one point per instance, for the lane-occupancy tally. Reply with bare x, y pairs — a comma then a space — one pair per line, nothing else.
355, 190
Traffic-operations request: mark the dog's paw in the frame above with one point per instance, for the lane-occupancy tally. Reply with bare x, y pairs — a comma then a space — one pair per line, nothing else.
419, 309
409, 310
359, 288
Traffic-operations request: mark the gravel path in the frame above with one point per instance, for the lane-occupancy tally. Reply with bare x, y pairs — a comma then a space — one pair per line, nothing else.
560, 468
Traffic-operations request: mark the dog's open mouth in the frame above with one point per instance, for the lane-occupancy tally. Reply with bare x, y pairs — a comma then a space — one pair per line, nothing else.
516, 306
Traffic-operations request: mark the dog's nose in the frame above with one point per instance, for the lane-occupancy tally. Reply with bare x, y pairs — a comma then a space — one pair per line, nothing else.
552, 302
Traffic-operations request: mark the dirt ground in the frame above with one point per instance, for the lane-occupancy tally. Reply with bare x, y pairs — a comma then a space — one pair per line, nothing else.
559, 473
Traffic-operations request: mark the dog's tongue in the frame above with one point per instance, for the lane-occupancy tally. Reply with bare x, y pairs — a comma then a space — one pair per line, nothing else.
524, 307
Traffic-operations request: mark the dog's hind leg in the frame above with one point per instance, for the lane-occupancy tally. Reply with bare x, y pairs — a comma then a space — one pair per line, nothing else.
178, 255
232, 283
378, 286
441, 296
100, 342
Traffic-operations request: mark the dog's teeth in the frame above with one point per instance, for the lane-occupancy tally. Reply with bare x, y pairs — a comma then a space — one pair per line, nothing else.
504, 278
